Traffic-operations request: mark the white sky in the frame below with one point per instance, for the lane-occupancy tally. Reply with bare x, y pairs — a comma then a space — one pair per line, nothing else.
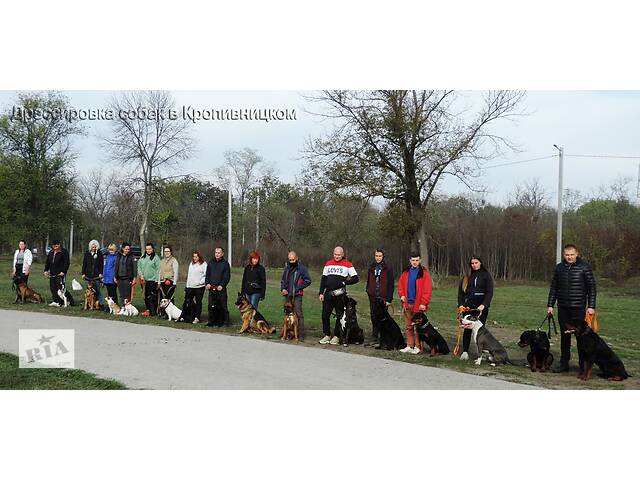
584, 122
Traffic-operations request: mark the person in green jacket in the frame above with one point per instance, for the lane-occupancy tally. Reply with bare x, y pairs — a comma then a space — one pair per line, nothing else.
148, 270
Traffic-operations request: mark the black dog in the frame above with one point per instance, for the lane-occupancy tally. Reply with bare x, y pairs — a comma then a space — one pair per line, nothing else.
347, 327
592, 349
216, 313
188, 310
429, 335
390, 335
540, 358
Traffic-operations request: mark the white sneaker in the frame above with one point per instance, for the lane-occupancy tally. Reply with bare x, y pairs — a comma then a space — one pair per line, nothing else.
334, 340
416, 350
464, 356
407, 349
324, 340
196, 320
54, 304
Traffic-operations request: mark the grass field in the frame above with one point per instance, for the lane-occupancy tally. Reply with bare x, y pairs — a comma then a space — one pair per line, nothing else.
14, 378
514, 308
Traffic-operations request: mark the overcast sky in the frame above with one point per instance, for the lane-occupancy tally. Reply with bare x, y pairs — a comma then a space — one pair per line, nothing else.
584, 122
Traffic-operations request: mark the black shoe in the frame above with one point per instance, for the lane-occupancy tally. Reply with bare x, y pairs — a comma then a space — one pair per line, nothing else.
561, 368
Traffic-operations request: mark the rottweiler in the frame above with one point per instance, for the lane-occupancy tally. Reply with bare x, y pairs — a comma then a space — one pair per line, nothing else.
429, 335
539, 358
593, 349
252, 319
289, 323
348, 329
390, 334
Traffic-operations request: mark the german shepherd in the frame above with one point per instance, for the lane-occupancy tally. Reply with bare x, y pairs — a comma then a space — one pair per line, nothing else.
289, 323
252, 320
24, 292
91, 298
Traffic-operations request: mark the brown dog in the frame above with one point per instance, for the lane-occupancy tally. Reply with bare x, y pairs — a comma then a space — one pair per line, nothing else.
289, 323
252, 320
91, 298
24, 293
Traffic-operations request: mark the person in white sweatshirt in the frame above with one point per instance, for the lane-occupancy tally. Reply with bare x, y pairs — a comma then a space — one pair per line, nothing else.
196, 283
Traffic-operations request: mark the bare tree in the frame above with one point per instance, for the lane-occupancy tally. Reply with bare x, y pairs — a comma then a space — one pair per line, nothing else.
400, 144
243, 169
146, 139
94, 194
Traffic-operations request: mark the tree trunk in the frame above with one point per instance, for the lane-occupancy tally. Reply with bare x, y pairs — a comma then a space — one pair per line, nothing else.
422, 243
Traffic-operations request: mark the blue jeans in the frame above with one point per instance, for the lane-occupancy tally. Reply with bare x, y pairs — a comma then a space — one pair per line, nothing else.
254, 299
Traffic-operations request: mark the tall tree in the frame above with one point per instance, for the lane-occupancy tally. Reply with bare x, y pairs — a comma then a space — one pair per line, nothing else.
149, 142
94, 195
400, 144
37, 158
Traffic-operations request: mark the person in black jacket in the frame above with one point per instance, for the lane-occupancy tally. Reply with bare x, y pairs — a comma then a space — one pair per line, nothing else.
55, 269
475, 291
254, 280
125, 272
574, 288
379, 285
92, 266
218, 277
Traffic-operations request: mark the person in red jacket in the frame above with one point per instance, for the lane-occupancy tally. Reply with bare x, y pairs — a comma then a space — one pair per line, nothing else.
414, 288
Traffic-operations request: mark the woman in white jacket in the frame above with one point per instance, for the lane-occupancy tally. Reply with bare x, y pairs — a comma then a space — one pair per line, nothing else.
22, 260
196, 283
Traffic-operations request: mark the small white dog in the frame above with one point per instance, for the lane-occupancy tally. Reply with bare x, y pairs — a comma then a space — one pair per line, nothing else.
128, 310
114, 308
173, 312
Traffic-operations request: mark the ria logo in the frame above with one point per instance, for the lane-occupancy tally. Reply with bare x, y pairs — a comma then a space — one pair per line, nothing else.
46, 348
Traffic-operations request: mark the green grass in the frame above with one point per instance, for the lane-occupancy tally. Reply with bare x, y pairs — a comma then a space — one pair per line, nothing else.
14, 378
515, 307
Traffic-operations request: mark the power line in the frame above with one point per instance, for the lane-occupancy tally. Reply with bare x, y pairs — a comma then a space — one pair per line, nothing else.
604, 156
521, 161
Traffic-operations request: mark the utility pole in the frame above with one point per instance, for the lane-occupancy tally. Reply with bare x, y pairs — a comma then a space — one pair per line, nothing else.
229, 241
71, 240
560, 191
257, 219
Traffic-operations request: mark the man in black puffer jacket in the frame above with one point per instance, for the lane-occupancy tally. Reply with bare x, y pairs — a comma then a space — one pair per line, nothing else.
574, 287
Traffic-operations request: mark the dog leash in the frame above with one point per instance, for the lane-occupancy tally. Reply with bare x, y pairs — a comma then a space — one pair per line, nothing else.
459, 313
549, 318
591, 320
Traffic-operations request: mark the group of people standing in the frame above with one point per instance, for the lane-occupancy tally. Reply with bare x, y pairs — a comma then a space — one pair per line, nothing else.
573, 286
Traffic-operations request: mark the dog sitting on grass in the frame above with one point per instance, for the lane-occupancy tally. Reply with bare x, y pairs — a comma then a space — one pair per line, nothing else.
252, 320
91, 298
428, 335
24, 293
289, 323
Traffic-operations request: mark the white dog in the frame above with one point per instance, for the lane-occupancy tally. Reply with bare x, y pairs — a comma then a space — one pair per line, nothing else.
114, 308
173, 312
62, 293
128, 310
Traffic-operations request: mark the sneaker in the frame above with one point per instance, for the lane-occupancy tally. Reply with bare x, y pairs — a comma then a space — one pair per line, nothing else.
324, 340
54, 304
407, 349
415, 350
464, 356
196, 320
334, 340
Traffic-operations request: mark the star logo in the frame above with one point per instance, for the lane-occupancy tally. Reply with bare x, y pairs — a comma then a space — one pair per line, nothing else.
44, 339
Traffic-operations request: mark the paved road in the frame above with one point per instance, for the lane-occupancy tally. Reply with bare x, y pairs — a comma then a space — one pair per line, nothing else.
146, 356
